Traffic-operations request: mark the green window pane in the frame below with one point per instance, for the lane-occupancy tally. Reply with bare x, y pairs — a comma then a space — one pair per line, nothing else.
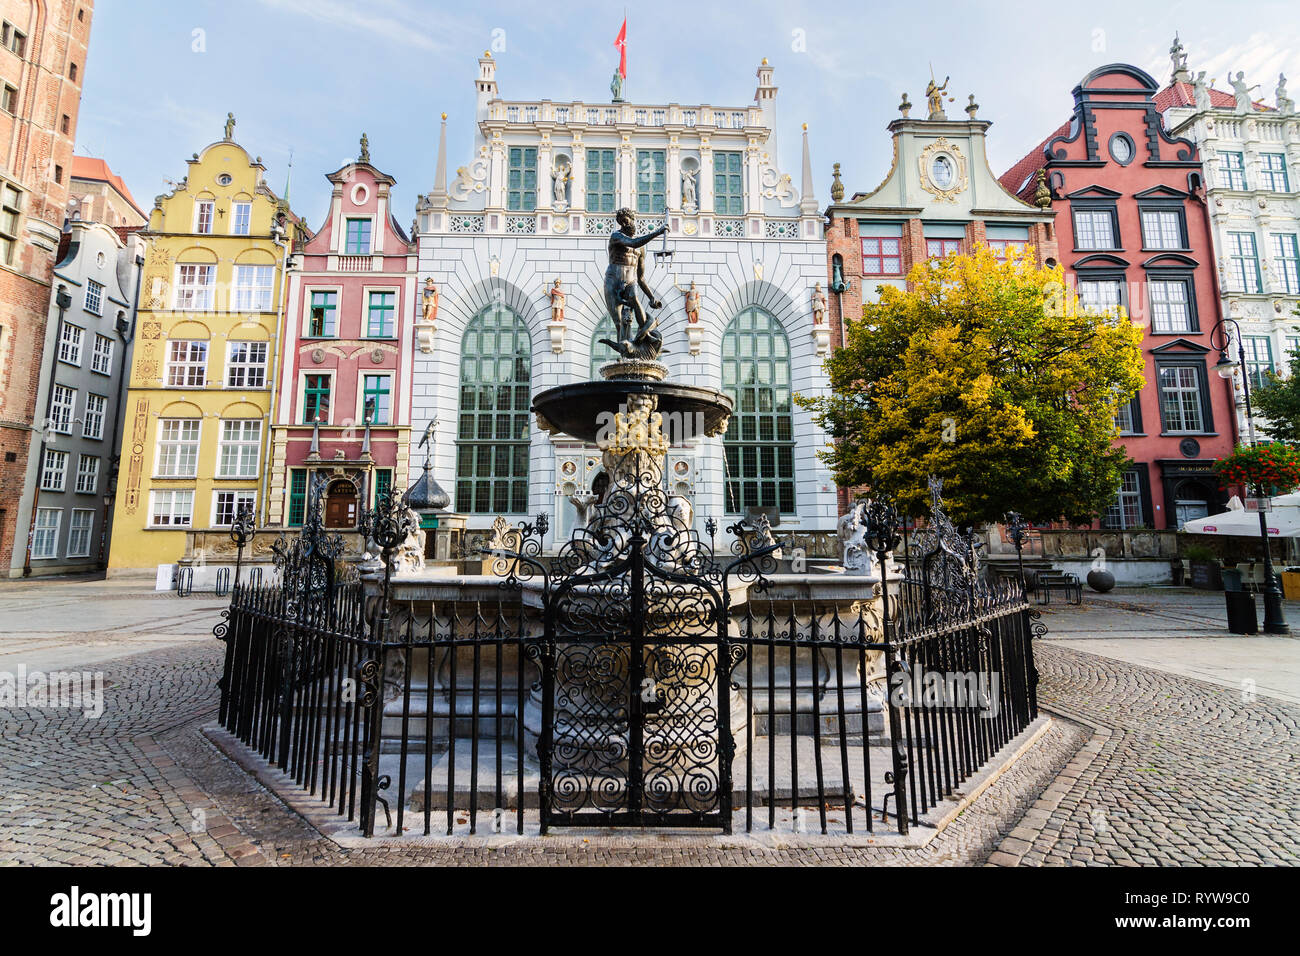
759, 447
493, 433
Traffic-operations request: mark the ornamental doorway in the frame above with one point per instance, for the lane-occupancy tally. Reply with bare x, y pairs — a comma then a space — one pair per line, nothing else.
341, 504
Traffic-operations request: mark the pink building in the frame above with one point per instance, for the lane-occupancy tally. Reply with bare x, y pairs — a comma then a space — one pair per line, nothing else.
344, 396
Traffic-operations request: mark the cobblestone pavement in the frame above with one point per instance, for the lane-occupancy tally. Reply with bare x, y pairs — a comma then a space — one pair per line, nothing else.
1147, 767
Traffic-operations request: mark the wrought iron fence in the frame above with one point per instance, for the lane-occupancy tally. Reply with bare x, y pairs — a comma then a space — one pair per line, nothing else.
594, 712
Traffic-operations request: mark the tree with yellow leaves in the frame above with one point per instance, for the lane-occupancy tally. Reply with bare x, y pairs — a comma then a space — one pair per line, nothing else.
992, 376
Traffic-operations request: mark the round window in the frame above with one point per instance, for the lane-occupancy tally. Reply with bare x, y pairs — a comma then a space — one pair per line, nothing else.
225, 179
1121, 149
360, 194
942, 172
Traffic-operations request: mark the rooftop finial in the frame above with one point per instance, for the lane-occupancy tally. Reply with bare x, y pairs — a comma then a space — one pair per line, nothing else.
972, 107
905, 107
837, 187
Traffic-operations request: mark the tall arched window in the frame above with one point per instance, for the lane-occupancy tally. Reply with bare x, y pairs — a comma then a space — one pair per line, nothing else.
601, 354
492, 433
759, 443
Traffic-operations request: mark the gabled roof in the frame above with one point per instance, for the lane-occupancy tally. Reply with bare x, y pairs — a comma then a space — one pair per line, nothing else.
1019, 179
96, 170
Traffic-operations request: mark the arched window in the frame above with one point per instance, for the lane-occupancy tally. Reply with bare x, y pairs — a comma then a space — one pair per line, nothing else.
759, 443
601, 354
492, 432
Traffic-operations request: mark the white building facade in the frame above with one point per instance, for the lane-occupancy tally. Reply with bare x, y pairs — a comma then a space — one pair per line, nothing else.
536, 203
1252, 171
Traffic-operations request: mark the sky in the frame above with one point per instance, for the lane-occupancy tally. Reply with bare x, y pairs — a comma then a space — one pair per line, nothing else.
307, 77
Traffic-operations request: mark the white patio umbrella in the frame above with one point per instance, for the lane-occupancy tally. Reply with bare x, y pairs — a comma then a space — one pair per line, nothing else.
1282, 519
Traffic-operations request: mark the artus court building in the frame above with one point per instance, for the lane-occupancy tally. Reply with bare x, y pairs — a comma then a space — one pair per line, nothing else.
534, 203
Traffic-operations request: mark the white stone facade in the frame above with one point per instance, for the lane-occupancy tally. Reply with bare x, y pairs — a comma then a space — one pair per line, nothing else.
479, 252
1262, 210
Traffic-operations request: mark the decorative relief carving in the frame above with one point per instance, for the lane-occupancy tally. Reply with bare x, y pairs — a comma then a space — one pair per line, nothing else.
937, 178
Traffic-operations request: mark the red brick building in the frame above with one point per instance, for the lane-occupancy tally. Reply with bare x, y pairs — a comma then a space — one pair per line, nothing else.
1135, 232
42, 66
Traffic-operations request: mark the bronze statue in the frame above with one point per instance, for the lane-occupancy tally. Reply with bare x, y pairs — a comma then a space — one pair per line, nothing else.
934, 97
625, 273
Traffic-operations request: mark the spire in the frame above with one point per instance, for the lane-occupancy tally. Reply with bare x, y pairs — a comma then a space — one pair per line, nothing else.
439, 194
808, 200
288, 176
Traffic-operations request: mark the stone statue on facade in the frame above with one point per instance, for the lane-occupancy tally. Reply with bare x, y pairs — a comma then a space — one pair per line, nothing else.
1201, 92
934, 98
689, 203
557, 302
364, 155
852, 533
1285, 105
692, 304
560, 187
819, 305
616, 87
624, 275
429, 312
230, 127
1242, 92
1178, 57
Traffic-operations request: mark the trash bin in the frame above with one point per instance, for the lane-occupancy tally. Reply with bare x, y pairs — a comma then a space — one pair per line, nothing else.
1242, 618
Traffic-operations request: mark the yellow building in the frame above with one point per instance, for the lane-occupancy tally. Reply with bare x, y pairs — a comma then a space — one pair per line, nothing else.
195, 439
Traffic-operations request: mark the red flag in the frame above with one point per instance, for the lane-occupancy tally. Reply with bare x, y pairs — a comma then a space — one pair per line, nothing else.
620, 42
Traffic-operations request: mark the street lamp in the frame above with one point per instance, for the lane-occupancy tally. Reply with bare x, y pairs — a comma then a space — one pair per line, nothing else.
1274, 621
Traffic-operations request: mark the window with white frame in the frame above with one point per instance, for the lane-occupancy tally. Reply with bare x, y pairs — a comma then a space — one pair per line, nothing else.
1171, 309
79, 530
178, 448
70, 343
238, 448
203, 211
195, 285
187, 364
63, 403
45, 533
1180, 398
1233, 166
1101, 294
92, 425
101, 359
1162, 229
1095, 229
171, 509
87, 474
241, 218
246, 365
1126, 512
1286, 260
226, 506
94, 297
253, 288
1272, 172
54, 471
1243, 259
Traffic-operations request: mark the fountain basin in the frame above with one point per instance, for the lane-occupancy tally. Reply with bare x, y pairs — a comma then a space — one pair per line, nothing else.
583, 409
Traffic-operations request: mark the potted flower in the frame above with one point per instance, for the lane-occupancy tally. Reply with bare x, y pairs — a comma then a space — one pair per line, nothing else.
1205, 572
1272, 465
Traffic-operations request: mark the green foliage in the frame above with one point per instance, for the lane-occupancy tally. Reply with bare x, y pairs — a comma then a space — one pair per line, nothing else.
990, 376
1279, 402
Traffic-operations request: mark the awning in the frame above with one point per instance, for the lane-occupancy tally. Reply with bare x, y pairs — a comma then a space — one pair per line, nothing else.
1282, 520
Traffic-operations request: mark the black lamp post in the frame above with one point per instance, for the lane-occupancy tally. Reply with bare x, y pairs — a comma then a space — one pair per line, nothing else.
1274, 621
1017, 530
